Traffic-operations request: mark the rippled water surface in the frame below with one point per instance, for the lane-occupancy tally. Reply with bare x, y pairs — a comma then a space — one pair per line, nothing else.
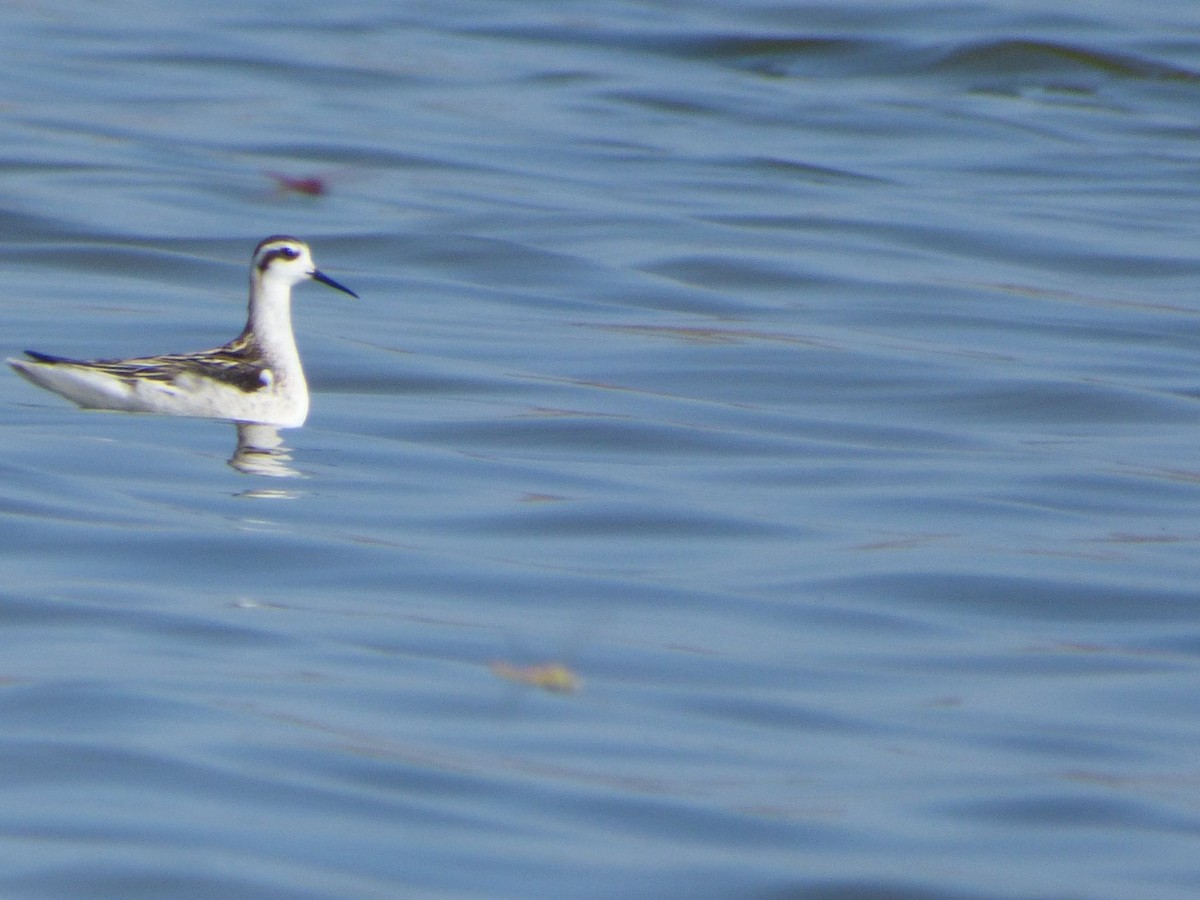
763, 462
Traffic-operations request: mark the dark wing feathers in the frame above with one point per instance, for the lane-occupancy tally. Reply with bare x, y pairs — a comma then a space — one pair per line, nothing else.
47, 358
239, 364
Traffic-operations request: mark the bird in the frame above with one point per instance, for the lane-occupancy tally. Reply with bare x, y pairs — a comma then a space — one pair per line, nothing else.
255, 378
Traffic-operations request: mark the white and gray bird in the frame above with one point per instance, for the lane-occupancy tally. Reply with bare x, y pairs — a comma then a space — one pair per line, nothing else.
256, 377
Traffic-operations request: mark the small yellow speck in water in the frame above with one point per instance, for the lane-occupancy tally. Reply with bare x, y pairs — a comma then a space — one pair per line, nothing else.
554, 676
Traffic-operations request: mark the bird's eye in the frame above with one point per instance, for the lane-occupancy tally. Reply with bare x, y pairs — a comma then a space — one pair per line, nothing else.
288, 252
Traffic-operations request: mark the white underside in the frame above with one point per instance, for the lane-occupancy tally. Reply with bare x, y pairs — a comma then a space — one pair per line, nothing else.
282, 404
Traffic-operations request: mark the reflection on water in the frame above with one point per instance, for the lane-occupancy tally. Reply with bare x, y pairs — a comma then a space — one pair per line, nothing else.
261, 451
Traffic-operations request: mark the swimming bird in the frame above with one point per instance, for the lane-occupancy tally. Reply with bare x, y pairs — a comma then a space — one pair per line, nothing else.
256, 377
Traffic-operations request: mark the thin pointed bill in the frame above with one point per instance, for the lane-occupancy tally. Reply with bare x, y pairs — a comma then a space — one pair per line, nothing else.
325, 279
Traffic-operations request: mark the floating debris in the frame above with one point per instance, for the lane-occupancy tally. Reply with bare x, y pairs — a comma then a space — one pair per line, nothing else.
555, 677
313, 186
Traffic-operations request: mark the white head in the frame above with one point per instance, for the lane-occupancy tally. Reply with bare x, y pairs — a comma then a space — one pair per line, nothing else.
287, 260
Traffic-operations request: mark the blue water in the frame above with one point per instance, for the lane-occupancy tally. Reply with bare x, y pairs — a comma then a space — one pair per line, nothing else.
815, 385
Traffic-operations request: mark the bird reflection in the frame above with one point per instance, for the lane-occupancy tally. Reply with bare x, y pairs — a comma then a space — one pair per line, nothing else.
261, 451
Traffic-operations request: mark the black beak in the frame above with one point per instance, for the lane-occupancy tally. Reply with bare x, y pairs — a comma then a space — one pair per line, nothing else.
325, 279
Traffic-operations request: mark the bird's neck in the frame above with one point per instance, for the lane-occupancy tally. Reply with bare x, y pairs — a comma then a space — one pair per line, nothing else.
270, 317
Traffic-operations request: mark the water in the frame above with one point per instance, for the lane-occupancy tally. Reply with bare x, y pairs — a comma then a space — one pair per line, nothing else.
816, 385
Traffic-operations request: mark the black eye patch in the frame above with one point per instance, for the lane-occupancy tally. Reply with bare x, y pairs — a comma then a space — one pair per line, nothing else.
278, 253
